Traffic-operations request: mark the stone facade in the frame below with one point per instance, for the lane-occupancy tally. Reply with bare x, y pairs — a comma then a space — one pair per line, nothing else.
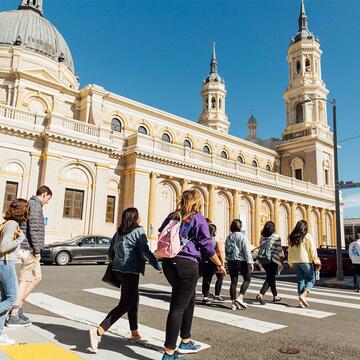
101, 153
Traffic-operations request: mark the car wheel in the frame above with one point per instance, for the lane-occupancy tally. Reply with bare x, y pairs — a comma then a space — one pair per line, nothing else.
62, 258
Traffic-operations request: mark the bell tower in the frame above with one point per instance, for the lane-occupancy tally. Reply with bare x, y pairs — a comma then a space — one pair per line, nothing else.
307, 146
213, 95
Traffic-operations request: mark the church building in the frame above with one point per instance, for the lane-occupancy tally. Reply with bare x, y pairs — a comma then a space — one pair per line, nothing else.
101, 152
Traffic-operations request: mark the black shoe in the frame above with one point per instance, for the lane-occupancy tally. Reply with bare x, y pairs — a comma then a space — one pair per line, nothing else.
260, 300
22, 315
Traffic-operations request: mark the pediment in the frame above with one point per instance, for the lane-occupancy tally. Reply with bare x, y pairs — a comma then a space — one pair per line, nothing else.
43, 74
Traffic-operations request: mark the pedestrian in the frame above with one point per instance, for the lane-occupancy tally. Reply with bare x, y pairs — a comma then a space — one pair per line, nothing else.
128, 252
30, 271
301, 257
209, 269
271, 257
240, 261
182, 272
10, 239
354, 253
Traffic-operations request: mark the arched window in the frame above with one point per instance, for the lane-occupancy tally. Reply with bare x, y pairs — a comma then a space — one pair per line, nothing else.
224, 155
220, 103
254, 163
240, 159
268, 167
187, 143
206, 150
297, 166
298, 67
115, 125
213, 102
299, 114
142, 130
166, 138
307, 66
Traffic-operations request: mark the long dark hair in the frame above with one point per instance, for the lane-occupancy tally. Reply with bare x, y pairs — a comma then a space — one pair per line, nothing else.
268, 230
299, 232
129, 220
212, 229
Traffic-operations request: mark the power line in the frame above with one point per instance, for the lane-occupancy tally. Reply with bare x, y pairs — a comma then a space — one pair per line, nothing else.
351, 138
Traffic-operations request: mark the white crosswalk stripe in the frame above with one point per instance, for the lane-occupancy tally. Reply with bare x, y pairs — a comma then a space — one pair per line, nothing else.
309, 299
316, 291
269, 306
154, 337
203, 313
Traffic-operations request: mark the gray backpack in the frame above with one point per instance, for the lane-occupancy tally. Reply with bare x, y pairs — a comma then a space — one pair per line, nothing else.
265, 253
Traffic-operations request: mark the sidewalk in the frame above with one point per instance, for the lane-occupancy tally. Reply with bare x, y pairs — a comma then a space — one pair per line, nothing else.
61, 339
347, 283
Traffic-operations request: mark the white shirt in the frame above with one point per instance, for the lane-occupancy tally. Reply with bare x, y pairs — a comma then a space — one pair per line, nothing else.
354, 252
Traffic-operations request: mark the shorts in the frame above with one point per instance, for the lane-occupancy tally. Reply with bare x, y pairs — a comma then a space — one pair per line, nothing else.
30, 267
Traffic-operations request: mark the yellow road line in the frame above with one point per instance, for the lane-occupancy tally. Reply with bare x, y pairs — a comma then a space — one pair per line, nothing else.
38, 352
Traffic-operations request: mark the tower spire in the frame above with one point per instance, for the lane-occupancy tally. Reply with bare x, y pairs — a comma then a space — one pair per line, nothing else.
213, 64
303, 29
34, 5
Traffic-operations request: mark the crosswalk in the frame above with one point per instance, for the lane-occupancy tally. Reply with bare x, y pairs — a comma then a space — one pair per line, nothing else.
155, 297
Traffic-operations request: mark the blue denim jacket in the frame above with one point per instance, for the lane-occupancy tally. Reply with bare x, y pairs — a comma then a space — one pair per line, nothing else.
129, 252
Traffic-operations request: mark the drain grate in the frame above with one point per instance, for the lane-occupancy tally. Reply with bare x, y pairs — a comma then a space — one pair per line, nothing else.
289, 350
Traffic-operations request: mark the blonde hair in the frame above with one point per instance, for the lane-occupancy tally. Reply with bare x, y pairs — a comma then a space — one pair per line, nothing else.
190, 202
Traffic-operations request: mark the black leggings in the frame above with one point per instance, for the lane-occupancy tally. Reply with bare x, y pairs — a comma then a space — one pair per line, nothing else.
271, 270
129, 302
356, 273
208, 270
182, 274
237, 267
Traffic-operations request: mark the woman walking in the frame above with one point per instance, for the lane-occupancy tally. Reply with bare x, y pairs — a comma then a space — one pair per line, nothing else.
240, 261
302, 256
127, 253
354, 253
182, 272
271, 260
10, 239
209, 269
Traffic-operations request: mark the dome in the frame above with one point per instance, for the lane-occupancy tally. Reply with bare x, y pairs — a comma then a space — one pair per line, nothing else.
28, 28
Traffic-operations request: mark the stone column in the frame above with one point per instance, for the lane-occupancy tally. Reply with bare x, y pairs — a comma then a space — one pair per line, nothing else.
184, 185
293, 215
211, 207
322, 226
333, 229
152, 207
276, 214
308, 217
236, 205
257, 220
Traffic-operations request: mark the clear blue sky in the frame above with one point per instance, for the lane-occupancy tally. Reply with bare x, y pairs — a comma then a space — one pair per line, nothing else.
158, 52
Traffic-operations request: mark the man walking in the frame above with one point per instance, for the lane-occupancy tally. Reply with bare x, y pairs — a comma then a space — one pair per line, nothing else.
354, 253
30, 271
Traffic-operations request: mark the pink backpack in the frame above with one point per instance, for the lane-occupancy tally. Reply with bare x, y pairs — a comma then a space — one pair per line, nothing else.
170, 241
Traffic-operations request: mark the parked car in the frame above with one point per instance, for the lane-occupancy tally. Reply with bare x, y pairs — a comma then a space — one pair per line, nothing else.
79, 248
327, 255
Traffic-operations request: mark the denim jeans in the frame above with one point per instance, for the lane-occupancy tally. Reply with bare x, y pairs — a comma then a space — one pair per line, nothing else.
305, 275
8, 289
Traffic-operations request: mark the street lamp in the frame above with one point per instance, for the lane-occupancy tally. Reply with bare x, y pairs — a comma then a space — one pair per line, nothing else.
340, 272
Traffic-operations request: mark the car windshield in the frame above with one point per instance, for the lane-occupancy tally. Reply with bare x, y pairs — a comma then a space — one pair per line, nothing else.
74, 239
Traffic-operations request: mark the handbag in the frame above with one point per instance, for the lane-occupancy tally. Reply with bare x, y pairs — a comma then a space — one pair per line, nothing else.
111, 278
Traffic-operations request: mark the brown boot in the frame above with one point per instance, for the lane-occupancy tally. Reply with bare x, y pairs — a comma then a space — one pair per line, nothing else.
302, 298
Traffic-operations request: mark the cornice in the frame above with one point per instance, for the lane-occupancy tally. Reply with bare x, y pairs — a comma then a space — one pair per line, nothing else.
222, 174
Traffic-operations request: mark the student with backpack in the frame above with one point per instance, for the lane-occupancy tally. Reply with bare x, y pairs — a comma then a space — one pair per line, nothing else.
10, 239
209, 269
302, 257
127, 253
182, 235
240, 261
271, 257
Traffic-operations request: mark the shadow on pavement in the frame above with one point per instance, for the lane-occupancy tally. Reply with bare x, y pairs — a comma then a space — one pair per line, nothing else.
72, 336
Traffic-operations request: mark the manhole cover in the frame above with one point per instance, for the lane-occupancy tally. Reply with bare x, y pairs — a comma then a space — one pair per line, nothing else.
289, 350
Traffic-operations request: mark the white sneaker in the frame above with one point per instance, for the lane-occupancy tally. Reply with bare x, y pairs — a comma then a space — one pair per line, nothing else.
235, 306
4, 340
94, 340
241, 303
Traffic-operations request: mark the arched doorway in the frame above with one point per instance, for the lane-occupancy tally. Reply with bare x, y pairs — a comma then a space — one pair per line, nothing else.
245, 217
328, 230
222, 216
314, 225
165, 204
283, 231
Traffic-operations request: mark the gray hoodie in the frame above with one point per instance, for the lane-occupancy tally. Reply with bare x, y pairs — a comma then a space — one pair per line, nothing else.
8, 246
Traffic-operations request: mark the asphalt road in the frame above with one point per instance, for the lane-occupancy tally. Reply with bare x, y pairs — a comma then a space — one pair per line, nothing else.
333, 336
